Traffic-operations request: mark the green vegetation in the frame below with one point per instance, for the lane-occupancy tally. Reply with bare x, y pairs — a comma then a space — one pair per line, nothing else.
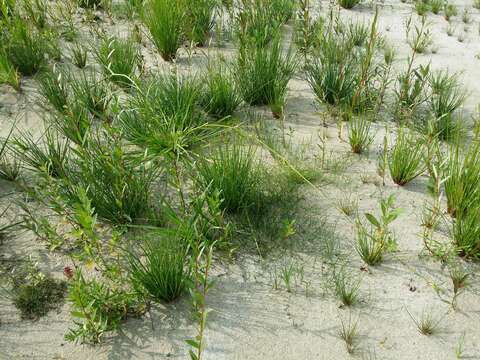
406, 158
163, 274
165, 21
119, 59
150, 179
263, 73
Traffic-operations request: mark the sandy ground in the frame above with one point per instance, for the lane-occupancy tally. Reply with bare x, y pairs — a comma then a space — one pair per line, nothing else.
251, 319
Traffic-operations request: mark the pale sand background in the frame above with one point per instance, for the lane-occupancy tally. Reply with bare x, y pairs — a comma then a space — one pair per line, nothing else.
251, 320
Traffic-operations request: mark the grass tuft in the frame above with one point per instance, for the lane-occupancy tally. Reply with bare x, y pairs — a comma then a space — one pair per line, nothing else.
161, 270
348, 4
219, 96
359, 134
201, 15
166, 22
26, 48
446, 98
349, 334
234, 171
427, 324
119, 59
263, 73
406, 158
163, 116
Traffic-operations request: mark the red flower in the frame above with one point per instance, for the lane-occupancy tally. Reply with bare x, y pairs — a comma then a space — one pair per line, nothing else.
68, 272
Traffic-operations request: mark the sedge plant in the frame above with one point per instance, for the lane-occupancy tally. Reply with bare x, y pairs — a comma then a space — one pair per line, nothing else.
119, 59
219, 96
360, 135
165, 21
406, 158
263, 73
161, 269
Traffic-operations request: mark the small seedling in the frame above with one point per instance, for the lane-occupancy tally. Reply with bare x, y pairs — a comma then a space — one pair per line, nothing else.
291, 274
421, 38
459, 278
460, 348
348, 206
466, 16
450, 30
79, 55
372, 243
346, 287
349, 334
428, 324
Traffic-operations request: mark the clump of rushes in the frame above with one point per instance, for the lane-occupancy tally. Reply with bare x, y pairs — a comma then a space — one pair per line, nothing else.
160, 270
436, 6
359, 134
201, 20
343, 74
450, 10
446, 98
283, 10
119, 59
163, 116
53, 88
257, 22
422, 7
219, 94
74, 123
346, 287
406, 158
427, 324
79, 55
263, 73
8, 73
462, 184
358, 33
10, 167
333, 74
466, 232
349, 334
234, 171
36, 12
166, 22
90, 91
459, 277
49, 154
367, 246
348, 4
25, 47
